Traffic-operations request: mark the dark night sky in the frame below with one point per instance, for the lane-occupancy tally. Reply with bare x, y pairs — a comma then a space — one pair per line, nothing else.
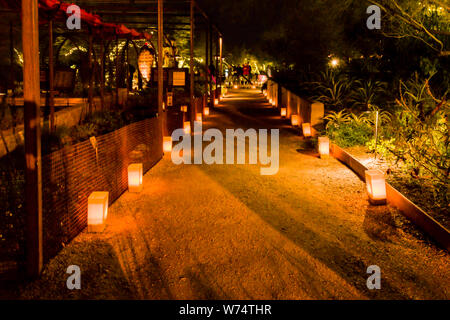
244, 21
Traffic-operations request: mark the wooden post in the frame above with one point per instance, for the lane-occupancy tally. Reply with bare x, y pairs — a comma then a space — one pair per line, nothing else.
33, 178
11, 60
160, 59
211, 61
91, 73
207, 64
216, 58
191, 67
102, 73
117, 71
51, 75
221, 61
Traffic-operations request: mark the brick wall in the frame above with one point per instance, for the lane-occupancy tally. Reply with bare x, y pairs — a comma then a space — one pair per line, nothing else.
71, 174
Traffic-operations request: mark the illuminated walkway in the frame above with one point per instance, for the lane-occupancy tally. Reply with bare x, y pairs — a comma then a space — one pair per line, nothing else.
226, 232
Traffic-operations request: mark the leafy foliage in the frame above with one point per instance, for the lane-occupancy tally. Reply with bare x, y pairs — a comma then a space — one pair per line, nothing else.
422, 135
348, 129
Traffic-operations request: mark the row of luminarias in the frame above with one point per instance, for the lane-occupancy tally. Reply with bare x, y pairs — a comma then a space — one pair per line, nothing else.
98, 201
375, 179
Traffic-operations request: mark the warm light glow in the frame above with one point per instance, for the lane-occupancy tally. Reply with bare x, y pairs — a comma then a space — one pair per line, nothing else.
295, 120
306, 127
167, 144
324, 147
235, 87
253, 87
187, 127
183, 108
135, 173
376, 186
145, 62
199, 117
206, 111
97, 211
334, 62
283, 112
216, 101
270, 101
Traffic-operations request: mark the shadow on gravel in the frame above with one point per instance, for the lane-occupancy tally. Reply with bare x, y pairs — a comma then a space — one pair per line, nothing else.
101, 275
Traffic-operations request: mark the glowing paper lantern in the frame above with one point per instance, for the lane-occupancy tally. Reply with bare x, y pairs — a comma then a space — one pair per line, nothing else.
283, 112
145, 62
187, 127
324, 147
206, 111
199, 117
135, 172
295, 120
167, 144
97, 211
306, 127
183, 108
376, 186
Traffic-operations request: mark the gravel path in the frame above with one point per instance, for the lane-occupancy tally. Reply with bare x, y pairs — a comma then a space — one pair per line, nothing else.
226, 232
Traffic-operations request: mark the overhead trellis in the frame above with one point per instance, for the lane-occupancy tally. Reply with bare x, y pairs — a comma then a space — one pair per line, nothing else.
57, 10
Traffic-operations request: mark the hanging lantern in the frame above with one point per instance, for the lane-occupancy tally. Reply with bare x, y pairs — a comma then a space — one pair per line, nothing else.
135, 172
167, 144
324, 147
97, 211
184, 108
376, 186
187, 127
145, 62
206, 111
306, 127
295, 120
199, 117
283, 112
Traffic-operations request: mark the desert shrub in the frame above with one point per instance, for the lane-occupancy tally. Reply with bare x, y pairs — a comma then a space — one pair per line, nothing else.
332, 90
348, 130
421, 139
366, 93
382, 147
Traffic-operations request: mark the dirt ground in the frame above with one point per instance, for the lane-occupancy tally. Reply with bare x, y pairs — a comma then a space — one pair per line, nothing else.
226, 232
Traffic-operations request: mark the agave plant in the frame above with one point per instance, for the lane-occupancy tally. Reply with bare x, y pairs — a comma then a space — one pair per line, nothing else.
334, 118
332, 90
366, 93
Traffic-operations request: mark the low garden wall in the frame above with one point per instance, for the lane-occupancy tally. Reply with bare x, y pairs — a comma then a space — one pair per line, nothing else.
308, 111
72, 173
395, 198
